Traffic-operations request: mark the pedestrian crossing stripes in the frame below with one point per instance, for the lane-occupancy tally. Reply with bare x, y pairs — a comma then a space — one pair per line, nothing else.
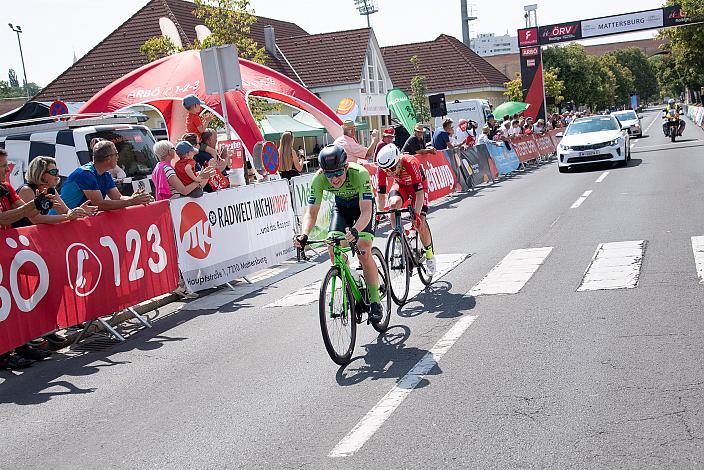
614, 266
310, 293
512, 273
698, 249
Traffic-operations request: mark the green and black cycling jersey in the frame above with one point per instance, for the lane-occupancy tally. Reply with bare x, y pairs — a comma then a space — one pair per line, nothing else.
357, 187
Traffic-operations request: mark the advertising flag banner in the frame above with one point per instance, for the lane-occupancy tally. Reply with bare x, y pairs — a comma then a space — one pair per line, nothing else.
532, 82
56, 276
230, 234
400, 106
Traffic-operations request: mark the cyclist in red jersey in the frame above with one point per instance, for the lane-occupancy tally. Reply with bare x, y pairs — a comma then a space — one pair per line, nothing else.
408, 183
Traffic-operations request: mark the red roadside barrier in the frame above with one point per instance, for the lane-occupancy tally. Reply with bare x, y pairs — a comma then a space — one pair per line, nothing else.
55, 276
525, 147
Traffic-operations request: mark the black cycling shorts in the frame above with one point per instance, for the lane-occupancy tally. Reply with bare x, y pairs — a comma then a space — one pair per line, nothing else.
344, 217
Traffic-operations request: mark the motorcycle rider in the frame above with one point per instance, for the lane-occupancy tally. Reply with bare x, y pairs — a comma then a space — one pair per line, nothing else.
671, 104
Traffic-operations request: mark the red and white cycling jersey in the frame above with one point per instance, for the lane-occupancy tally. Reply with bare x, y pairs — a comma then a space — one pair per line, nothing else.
410, 177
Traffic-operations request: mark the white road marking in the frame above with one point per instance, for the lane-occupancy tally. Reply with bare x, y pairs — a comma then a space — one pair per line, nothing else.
581, 199
512, 273
373, 420
614, 266
651, 124
698, 249
602, 177
311, 293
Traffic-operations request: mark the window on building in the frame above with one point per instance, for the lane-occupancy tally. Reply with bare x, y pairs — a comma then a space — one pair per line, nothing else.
380, 80
371, 75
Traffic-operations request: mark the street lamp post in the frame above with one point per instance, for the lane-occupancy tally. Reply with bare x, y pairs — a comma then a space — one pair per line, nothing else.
18, 30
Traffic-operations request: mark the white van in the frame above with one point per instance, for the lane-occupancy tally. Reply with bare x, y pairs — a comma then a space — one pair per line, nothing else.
475, 110
68, 142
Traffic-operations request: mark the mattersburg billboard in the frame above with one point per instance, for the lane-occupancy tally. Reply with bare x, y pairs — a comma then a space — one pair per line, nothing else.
627, 23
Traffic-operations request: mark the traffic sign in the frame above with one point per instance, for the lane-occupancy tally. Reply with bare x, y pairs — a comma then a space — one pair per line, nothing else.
270, 157
57, 108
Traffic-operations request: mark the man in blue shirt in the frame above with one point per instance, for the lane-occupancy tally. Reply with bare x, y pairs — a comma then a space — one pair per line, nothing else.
93, 182
441, 137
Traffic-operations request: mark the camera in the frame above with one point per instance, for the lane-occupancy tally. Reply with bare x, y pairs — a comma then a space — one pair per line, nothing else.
43, 203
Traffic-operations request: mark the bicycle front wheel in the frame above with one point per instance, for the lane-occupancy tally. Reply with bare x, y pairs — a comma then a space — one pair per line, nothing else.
398, 266
337, 322
384, 290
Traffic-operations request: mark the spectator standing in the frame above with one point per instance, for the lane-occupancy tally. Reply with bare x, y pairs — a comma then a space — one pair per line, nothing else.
291, 161
355, 151
493, 126
415, 144
441, 136
461, 133
93, 182
387, 137
164, 176
484, 136
539, 127
515, 129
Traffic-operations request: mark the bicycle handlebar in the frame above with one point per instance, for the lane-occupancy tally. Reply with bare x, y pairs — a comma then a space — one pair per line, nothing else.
301, 252
394, 211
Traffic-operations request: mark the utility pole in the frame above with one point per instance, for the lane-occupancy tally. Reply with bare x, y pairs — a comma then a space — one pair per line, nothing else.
18, 30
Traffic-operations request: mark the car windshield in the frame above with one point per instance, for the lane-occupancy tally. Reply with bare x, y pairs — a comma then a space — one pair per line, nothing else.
134, 145
626, 116
584, 126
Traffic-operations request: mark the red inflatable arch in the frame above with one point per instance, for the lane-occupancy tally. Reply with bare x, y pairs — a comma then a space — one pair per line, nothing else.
163, 84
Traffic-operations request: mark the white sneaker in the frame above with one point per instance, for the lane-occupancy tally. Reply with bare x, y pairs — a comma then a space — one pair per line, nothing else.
430, 265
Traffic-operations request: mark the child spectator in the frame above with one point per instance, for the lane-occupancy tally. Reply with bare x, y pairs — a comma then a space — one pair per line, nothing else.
186, 167
196, 124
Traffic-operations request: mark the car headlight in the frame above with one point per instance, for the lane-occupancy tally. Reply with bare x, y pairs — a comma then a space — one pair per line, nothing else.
636, 125
565, 147
614, 142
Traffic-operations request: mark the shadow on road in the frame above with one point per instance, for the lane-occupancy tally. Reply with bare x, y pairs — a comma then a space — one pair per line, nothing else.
388, 357
437, 300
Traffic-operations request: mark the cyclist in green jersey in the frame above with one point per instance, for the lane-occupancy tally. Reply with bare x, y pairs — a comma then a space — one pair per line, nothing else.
352, 215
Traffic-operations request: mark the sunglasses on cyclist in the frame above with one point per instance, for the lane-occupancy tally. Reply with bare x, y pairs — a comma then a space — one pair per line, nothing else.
393, 169
334, 174
53, 172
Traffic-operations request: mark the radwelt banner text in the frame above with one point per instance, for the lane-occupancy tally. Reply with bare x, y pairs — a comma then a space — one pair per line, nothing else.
231, 233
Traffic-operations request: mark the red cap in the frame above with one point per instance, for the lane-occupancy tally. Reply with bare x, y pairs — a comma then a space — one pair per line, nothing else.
389, 132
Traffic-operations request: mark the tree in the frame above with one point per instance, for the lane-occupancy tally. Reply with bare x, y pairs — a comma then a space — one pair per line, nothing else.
13, 78
553, 87
685, 45
8, 91
574, 70
622, 78
643, 70
158, 47
418, 91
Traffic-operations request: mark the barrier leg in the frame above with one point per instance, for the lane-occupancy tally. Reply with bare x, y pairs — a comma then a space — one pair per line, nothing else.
231, 286
112, 330
139, 317
83, 333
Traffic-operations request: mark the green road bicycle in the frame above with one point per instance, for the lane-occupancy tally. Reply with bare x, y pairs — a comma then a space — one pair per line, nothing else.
344, 301
404, 252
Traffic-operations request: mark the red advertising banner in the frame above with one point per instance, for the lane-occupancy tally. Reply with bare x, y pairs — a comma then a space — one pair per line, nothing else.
61, 275
525, 147
441, 177
545, 144
553, 136
235, 151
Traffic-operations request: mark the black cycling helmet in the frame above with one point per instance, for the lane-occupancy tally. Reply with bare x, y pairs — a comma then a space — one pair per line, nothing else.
332, 157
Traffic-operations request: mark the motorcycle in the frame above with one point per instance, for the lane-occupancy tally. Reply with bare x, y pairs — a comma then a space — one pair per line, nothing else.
672, 126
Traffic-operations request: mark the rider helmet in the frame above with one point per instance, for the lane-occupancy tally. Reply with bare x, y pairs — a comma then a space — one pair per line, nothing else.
332, 157
388, 156
671, 101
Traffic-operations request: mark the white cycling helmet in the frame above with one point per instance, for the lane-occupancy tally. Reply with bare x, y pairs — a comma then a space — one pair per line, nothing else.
388, 156
671, 101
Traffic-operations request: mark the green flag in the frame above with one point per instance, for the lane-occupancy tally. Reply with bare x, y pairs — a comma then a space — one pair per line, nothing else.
399, 104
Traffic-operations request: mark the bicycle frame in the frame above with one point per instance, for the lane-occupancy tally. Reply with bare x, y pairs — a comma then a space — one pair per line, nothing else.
406, 245
347, 279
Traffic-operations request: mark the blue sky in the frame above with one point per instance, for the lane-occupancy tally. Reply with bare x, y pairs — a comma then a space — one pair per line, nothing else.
54, 29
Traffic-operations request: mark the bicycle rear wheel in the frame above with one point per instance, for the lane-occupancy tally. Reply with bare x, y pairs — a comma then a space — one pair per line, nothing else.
384, 290
425, 277
398, 266
337, 323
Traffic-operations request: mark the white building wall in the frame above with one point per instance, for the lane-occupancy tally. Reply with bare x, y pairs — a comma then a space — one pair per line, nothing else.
489, 44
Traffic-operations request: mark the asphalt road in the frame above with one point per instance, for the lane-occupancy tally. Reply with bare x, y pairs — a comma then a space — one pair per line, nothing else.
548, 377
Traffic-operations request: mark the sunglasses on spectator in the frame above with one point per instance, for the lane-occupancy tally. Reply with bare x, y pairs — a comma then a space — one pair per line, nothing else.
53, 172
334, 174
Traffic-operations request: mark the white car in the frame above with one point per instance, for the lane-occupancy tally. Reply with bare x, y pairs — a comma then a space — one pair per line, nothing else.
630, 121
593, 139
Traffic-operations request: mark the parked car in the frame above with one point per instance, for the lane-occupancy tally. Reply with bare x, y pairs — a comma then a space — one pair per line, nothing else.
593, 139
630, 121
68, 141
